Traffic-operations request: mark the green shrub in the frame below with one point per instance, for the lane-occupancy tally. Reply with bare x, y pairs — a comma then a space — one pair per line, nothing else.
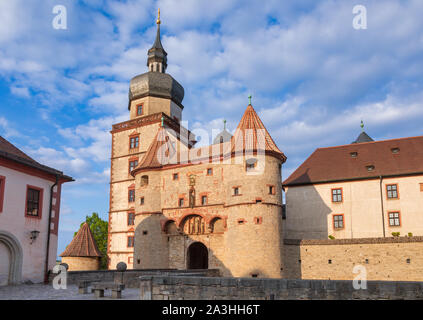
410, 234
331, 237
395, 234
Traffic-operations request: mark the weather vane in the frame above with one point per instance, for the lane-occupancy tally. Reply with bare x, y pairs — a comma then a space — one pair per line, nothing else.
158, 18
249, 98
362, 125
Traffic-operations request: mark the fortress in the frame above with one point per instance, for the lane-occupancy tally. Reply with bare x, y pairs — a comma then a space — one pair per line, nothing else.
176, 206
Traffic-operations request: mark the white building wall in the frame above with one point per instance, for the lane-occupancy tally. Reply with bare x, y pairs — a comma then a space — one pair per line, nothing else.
14, 221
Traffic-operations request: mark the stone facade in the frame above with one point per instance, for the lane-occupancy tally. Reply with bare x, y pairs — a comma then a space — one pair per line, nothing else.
202, 288
391, 259
82, 263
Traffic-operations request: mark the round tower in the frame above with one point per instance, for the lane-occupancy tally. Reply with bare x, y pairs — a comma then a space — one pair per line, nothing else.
254, 199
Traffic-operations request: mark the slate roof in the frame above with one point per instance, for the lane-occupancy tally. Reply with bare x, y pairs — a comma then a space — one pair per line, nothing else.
82, 245
9, 151
363, 137
366, 160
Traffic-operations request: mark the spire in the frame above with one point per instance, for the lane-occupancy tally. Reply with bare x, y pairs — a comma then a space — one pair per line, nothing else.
252, 136
363, 137
157, 56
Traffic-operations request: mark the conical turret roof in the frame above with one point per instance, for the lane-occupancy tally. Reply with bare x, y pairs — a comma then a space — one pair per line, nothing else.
159, 153
82, 245
251, 136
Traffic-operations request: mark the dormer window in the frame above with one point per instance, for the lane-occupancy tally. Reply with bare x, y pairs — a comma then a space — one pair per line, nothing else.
370, 168
395, 150
354, 154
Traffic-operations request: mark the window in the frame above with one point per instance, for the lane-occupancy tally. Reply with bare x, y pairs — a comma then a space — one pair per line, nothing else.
134, 142
236, 191
34, 198
250, 164
354, 154
130, 241
131, 218
144, 181
175, 176
139, 110
271, 189
181, 202
395, 150
142, 201
2, 186
209, 171
203, 200
338, 221
392, 191
394, 219
131, 195
337, 195
132, 165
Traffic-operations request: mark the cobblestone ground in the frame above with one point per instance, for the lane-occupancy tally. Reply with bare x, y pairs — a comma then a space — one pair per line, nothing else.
47, 292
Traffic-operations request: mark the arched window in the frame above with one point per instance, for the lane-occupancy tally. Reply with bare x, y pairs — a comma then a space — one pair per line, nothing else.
170, 227
144, 181
217, 225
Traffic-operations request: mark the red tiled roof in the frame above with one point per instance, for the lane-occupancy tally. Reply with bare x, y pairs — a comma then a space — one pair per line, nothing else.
82, 245
250, 133
337, 163
9, 151
161, 152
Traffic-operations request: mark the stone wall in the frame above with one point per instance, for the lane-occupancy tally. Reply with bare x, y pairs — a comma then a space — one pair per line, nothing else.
82, 263
391, 259
205, 288
131, 278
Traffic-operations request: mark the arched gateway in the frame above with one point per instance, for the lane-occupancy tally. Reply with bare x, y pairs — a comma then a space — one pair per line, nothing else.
10, 259
198, 256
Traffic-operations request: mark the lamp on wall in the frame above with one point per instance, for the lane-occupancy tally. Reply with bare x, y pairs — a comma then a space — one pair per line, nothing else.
34, 235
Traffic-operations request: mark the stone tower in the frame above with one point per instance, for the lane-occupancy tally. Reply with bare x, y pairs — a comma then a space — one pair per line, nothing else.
180, 207
82, 253
154, 98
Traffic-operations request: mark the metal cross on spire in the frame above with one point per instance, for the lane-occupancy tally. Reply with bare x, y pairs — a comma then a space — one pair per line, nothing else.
249, 98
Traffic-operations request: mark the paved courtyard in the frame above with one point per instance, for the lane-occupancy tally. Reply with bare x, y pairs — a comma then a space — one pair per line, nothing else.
47, 292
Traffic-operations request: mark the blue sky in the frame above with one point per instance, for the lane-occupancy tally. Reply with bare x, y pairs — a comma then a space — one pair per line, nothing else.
313, 76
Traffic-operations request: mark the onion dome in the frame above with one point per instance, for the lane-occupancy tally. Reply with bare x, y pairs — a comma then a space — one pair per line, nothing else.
156, 82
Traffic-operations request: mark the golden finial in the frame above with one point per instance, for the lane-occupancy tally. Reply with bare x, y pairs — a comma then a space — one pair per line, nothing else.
158, 19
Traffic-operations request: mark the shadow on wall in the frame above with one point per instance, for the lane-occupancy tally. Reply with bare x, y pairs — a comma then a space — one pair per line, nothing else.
193, 244
307, 217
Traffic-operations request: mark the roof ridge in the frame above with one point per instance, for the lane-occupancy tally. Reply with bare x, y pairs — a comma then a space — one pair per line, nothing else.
369, 142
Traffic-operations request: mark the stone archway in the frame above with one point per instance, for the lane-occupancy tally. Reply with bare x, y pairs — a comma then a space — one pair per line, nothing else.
197, 256
12, 251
